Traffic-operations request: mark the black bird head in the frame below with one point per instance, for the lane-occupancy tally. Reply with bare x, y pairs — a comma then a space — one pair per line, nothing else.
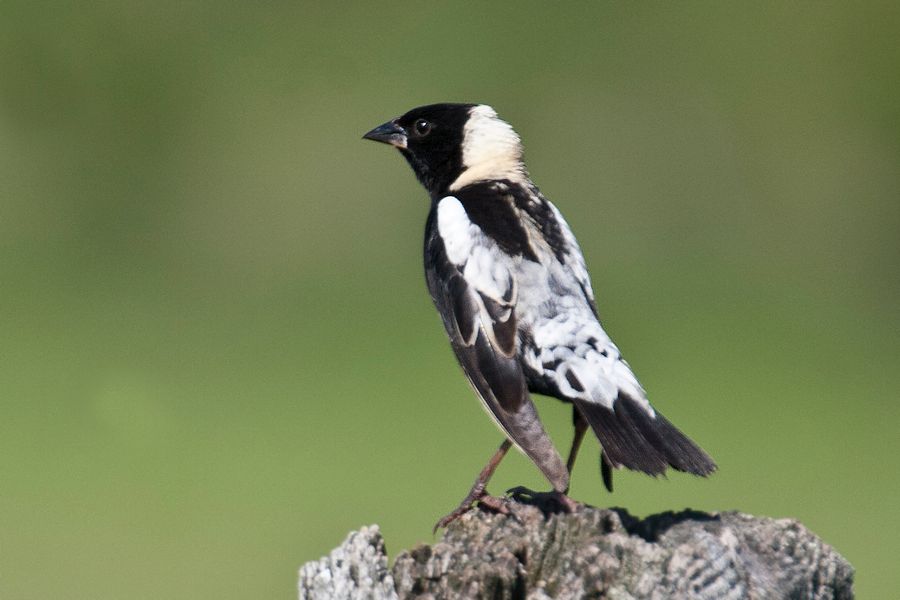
449, 146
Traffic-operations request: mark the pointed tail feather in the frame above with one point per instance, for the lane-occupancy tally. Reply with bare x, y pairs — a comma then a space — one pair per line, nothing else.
632, 438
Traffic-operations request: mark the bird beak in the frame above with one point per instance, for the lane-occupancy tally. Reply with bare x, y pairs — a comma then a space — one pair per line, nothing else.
389, 133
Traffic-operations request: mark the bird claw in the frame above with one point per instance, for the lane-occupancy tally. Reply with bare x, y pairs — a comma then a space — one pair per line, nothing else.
495, 504
548, 502
482, 500
444, 521
520, 493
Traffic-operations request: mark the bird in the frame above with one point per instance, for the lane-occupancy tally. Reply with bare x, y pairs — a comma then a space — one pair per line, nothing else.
510, 282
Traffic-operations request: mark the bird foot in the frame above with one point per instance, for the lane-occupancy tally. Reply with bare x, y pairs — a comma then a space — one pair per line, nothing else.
481, 499
547, 502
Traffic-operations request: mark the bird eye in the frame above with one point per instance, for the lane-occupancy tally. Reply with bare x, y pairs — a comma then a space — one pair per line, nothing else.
422, 127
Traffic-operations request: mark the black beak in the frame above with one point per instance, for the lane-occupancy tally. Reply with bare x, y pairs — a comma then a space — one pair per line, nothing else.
389, 133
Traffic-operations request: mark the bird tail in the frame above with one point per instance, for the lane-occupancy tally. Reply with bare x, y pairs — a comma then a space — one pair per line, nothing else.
632, 437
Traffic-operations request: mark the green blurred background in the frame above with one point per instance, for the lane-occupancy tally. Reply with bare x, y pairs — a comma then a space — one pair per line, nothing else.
218, 354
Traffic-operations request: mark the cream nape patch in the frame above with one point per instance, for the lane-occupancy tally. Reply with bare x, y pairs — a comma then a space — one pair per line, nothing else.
491, 149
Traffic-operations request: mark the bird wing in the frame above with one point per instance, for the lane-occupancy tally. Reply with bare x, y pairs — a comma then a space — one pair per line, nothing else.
475, 293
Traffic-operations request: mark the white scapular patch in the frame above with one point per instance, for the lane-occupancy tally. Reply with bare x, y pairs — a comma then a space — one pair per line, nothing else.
454, 228
491, 149
467, 247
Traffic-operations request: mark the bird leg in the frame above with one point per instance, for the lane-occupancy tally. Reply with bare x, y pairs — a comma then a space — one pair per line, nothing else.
581, 426
606, 470
477, 493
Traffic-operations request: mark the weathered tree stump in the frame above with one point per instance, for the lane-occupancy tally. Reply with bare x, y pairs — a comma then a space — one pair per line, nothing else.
591, 553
